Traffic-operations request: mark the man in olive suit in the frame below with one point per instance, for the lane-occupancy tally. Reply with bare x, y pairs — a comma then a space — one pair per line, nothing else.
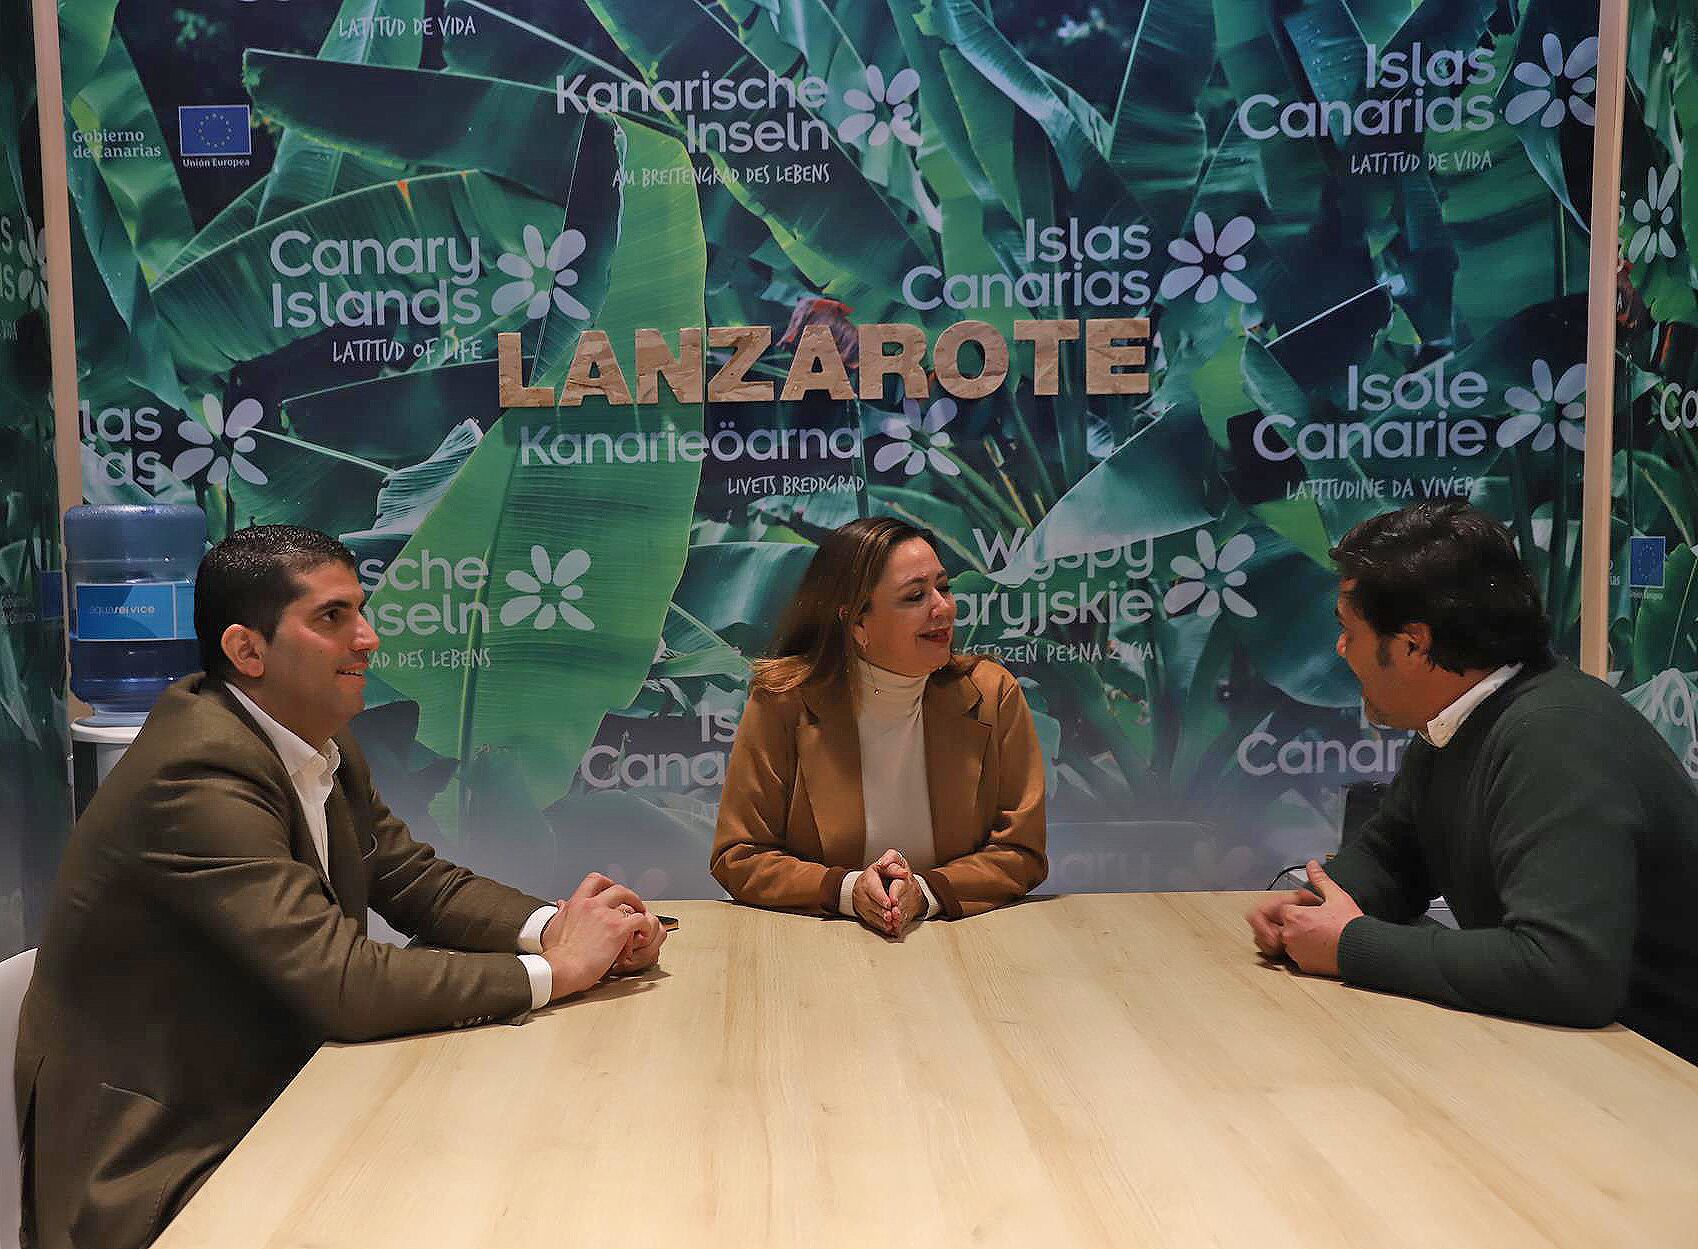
208, 929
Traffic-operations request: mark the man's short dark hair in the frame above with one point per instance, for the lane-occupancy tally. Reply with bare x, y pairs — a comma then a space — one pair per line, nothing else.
1453, 568
250, 577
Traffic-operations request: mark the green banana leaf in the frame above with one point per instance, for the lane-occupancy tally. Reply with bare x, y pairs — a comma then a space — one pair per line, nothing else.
1331, 50
1436, 24
1571, 24
1274, 391
809, 29
233, 220
940, 112
1554, 332
305, 172
420, 119
1501, 220
507, 47
410, 494
1380, 20
1257, 57
850, 244
616, 533
301, 479
814, 516
430, 132
144, 190
1426, 259
993, 128
215, 307
741, 589
945, 521
1159, 142
1294, 598
434, 403
1206, 719
122, 341
694, 650
811, 516
1156, 484
1321, 285
1664, 483
85, 31
968, 30
1312, 525
407, 774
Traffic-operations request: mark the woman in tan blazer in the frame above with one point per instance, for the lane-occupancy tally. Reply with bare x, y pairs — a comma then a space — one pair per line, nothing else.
876, 772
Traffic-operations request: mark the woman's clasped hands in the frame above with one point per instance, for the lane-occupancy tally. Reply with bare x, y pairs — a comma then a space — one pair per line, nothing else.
887, 895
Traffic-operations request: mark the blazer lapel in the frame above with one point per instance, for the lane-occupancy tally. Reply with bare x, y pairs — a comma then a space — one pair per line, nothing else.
955, 758
828, 757
347, 868
300, 836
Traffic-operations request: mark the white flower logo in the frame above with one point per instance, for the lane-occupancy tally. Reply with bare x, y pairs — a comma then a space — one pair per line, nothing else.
1655, 214
1212, 263
32, 251
561, 576
1212, 578
1547, 408
541, 275
865, 119
915, 442
233, 430
1577, 73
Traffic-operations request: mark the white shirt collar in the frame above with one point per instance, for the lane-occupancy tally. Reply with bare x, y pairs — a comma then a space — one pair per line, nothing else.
297, 753
1442, 727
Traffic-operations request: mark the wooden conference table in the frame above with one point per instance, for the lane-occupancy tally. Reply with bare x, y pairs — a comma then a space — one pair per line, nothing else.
1079, 1071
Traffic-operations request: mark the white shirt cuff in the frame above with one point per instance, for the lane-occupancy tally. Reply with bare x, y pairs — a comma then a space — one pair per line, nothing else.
933, 907
542, 979
845, 895
530, 936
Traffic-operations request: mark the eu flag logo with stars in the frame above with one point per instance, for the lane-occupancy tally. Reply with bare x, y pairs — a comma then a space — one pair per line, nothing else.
1646, 557
214, 130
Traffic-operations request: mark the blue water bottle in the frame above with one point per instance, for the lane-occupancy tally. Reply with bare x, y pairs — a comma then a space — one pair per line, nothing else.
130, 571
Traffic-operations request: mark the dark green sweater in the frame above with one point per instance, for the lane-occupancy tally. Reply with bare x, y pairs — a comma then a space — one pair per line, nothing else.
1564, 834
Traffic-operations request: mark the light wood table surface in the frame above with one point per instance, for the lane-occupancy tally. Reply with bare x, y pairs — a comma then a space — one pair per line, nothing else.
1096, 1070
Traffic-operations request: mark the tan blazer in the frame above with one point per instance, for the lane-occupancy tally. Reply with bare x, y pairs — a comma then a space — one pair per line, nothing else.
195, 956
792, 821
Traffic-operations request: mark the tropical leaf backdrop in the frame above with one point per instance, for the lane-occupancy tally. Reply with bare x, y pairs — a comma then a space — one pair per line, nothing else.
1654, 483
1358, 228
34, 800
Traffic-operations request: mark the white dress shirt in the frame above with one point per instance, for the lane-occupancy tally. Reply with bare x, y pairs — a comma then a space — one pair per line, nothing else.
1442, 727
313, 774
890, 722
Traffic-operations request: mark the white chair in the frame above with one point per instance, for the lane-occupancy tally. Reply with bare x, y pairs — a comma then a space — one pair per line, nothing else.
14, 980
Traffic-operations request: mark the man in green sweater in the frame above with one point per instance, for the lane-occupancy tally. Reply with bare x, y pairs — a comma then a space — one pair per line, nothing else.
1558, 825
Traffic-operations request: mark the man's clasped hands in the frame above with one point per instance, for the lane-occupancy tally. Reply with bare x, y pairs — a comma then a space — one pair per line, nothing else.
602, 930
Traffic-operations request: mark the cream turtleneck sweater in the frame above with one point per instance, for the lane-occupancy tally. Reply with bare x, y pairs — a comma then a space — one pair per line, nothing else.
890, 723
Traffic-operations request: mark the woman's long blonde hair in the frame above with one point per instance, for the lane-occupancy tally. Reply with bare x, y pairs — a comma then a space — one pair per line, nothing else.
814, 643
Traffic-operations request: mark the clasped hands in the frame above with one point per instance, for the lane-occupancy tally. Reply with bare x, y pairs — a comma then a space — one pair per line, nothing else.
602, 929
1305, 926
887, 896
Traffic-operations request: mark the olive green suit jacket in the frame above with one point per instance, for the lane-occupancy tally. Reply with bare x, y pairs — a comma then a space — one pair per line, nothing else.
196, 955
